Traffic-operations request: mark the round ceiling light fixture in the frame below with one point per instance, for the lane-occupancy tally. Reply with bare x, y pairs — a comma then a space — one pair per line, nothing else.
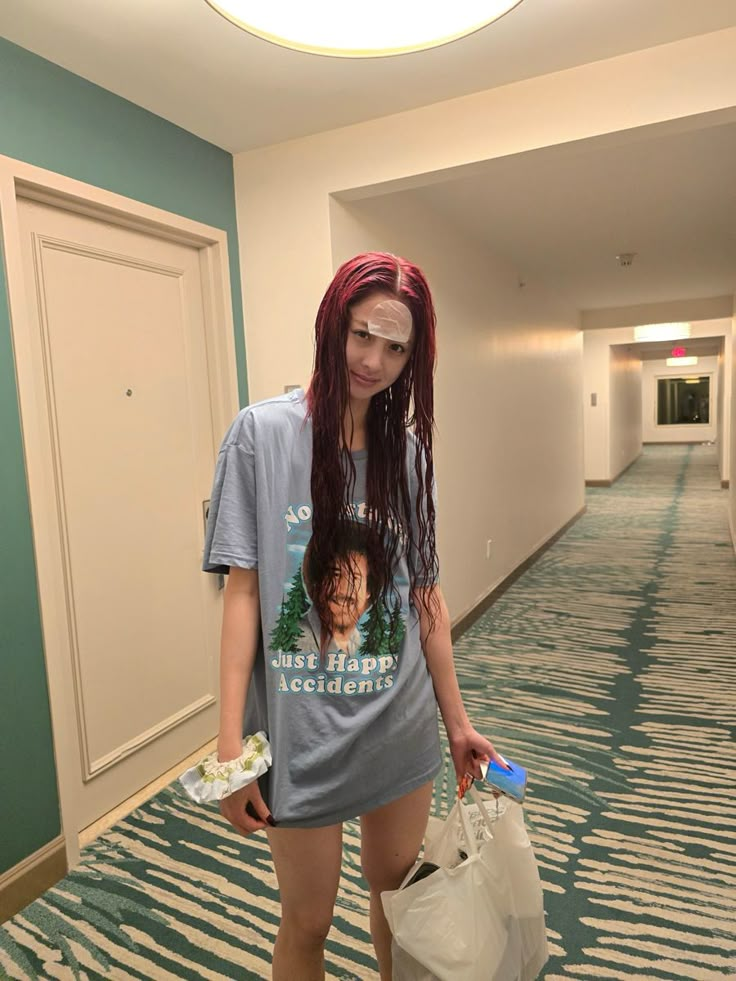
348, 30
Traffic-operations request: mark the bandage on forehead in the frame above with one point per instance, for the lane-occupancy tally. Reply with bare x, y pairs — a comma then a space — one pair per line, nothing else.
391, 320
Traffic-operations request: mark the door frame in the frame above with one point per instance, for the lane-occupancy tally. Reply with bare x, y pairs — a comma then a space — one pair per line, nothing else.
25, 181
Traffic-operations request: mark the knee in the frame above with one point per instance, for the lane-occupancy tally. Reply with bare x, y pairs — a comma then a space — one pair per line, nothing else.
384, 875
308, 925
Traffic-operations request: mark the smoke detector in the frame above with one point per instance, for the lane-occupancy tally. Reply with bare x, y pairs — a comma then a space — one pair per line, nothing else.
626, 258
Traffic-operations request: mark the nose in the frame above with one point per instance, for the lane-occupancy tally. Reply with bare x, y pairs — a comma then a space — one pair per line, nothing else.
372, 359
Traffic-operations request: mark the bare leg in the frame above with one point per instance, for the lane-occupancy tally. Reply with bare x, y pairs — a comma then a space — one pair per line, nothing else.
391, 837
307, 862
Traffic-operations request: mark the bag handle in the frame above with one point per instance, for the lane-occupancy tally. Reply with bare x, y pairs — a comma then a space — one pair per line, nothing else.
480, 801
466, 829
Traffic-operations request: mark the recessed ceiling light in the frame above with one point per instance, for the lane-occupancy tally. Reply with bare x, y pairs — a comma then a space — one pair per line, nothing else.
681, 362
352, 30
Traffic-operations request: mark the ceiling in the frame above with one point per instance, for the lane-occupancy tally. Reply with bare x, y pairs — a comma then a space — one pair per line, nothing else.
703, 347
183, 61
563, 214
560, 214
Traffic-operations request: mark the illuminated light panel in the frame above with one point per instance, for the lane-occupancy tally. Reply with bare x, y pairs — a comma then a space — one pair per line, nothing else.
678, 352
662, 332
681, 362
352, 30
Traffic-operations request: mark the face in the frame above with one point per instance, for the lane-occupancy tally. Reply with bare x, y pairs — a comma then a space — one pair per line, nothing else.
374, 363
347, 609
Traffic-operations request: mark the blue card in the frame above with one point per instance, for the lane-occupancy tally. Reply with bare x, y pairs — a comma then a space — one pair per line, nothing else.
511, 782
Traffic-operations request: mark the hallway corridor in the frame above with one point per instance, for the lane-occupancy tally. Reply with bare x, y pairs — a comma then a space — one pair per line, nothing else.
608, 669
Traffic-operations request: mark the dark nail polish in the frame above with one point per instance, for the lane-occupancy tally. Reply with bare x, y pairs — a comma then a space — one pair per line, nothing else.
271, 821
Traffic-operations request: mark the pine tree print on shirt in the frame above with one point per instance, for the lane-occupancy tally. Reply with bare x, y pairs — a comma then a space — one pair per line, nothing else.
287, 631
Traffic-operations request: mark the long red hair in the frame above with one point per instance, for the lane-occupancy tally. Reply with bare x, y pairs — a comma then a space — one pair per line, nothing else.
409, 402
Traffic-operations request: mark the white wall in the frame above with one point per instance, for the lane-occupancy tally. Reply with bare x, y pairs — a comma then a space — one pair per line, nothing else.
720, 411
509, 443
625, 437
652, 433
728, 396
596, 387
613, 431
283, 197
671, 311
282, 191
731, 468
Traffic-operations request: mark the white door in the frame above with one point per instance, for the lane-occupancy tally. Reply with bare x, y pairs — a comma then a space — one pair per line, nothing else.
117, 330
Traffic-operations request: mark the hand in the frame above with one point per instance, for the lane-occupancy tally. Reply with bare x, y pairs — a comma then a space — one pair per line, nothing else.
246, 810
468, 749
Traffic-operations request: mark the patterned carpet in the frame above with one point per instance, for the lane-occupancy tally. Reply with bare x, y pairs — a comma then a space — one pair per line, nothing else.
608, 668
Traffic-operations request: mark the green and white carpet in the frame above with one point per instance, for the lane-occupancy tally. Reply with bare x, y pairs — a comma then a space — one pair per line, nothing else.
609, 668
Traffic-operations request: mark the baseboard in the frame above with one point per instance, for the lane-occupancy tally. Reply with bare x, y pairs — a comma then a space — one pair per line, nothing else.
30, 878
610, 483
628, 466
469, 618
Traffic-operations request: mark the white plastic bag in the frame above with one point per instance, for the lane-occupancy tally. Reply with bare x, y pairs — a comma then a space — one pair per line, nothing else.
479, 917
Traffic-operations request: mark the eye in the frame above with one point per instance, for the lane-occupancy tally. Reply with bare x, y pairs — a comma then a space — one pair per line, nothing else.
362, 334
398, 348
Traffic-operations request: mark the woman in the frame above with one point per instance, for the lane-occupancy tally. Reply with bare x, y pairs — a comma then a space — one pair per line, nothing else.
352, 725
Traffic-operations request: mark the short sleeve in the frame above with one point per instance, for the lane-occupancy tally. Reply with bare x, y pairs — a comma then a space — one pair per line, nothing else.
415, 564
231, 538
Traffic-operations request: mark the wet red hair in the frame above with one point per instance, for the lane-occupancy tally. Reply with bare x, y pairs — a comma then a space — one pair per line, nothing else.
409, 402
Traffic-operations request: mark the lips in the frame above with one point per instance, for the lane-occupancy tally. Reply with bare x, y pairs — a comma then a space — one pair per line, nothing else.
362, 379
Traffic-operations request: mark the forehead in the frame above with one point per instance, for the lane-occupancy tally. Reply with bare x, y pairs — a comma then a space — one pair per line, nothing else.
361, 309
352, 558
363, 313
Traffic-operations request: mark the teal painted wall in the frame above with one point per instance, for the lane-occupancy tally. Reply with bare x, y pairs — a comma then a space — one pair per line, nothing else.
57, 120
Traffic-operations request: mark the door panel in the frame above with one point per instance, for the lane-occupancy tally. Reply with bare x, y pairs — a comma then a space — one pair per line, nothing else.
121, 346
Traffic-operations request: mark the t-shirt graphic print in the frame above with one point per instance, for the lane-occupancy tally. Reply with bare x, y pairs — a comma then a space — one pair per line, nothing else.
359, 651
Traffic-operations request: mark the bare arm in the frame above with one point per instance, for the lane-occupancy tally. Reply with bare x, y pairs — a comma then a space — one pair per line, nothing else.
437, 648
241, 619
466, 744
241, 624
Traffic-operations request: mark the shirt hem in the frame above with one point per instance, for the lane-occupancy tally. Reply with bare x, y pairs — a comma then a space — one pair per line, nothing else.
356, 811
220, 561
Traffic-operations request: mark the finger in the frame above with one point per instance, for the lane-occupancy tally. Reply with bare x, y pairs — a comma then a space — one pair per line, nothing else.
251, 818
474, 762
260, 809
478, 759
468, 765
497, 758
238, 817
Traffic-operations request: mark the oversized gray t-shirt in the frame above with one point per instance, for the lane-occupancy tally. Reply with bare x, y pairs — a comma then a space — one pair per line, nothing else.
356, 727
